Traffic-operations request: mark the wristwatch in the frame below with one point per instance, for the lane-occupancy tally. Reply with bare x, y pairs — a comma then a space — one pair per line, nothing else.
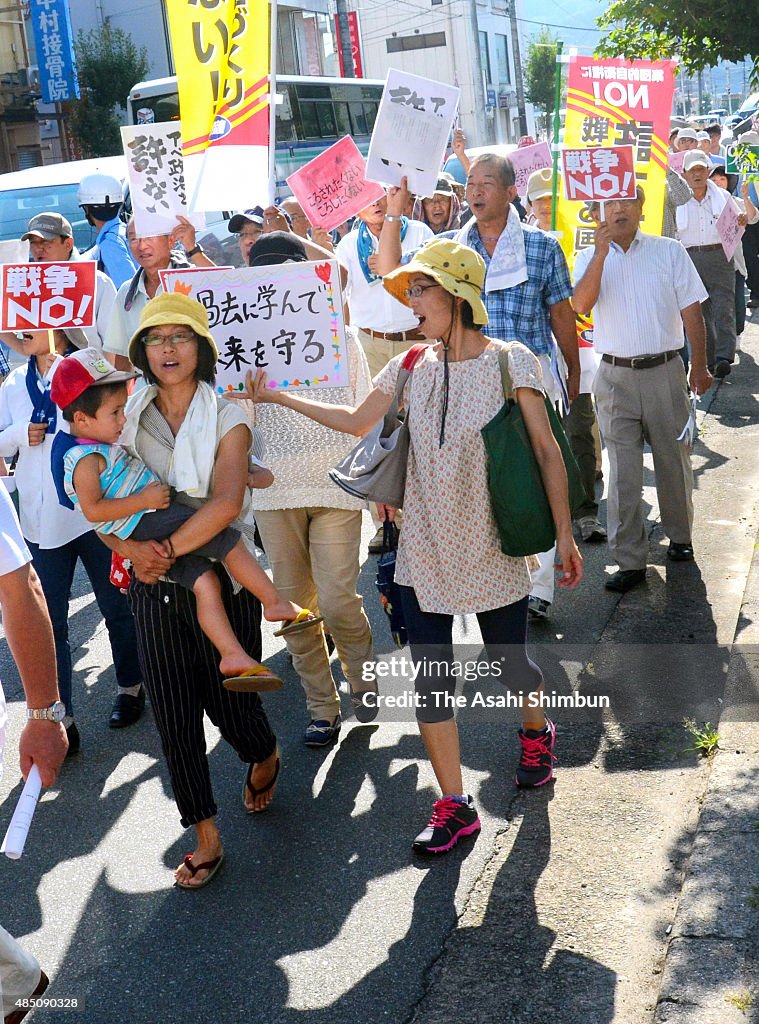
392, 219
55, 713
194, 251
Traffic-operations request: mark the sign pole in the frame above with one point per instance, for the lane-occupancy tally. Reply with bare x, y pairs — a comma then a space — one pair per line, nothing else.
272, 101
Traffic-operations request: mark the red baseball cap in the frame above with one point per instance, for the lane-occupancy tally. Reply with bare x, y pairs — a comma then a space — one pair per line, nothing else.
81, 370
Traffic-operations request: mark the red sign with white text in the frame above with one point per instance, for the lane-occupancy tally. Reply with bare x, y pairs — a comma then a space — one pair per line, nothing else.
355, 41
599, 173
46, 296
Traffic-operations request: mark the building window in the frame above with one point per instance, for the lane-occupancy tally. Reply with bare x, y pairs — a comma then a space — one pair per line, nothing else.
485, 57
502, 60
399, 44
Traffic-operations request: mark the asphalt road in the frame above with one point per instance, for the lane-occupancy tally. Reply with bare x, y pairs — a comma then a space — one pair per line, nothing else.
557, 912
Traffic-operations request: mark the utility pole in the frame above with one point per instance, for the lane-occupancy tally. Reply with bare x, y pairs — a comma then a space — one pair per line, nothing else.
518, 79
346, 50
478, 78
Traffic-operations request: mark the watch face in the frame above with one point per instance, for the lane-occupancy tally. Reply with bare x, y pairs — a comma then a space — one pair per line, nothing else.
57, 711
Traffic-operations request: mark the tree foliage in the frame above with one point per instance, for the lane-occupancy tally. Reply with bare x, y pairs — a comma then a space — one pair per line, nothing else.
700, 32
109, 64
540, 71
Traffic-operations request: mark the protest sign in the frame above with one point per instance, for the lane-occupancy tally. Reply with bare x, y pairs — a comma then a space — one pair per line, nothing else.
616, 102
221, 54
729, 230
675, 161
166, 276
156, 177
744, 160
286, 319
527, 160
333, 186
414, 122
599, 172
46, 296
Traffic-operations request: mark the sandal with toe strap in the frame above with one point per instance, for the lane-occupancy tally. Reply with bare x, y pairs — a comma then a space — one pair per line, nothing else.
253, 680
211, 866
254, 791
303, 620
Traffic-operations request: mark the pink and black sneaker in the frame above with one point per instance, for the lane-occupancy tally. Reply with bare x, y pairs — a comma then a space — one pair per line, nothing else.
536, 763
450, 821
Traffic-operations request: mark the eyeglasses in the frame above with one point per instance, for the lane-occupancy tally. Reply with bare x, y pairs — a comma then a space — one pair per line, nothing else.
173, 340
418, 290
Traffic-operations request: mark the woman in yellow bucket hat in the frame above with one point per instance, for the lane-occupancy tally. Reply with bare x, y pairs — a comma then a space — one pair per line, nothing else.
449, 558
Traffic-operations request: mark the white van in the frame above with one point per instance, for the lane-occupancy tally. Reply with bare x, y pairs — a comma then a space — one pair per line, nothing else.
53, 188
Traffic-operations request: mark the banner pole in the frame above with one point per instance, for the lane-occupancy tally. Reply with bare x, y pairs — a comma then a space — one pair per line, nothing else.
272, 100
556, 129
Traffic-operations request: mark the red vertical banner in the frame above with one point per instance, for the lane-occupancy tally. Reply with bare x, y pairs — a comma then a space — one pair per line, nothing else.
355, 41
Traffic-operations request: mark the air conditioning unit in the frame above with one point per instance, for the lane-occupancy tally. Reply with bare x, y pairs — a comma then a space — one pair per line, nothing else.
29, 78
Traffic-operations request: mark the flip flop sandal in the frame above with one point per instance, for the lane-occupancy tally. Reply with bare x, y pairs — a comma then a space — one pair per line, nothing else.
253, 680
303, 620
211, 866
254, 792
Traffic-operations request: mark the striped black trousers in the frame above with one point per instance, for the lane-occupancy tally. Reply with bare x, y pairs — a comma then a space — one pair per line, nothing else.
180, 669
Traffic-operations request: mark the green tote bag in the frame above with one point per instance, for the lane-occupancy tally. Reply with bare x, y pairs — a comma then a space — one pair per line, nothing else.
519, 500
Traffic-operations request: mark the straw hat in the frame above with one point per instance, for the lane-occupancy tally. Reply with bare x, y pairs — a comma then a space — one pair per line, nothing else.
456, 268
173, 308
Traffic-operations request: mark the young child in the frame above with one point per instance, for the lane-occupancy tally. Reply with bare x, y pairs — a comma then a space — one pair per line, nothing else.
116, 491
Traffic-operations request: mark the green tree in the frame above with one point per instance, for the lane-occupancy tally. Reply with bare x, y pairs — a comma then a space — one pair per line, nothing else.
700, 32
540, 72
109, 64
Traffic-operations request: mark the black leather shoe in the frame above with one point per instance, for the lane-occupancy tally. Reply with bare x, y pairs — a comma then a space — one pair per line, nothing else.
74, 740
127, 709
680, 552
722, 369
625, 579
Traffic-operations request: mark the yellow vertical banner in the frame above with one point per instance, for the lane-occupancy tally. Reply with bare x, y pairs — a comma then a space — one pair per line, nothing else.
221, 54
618, 102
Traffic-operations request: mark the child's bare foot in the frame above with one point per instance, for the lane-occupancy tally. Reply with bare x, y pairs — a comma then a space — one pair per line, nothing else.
293, 617
244, 675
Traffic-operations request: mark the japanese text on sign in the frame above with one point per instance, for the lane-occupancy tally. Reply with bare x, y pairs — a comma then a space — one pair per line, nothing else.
730, 231
284, 319
156, 176
599, 173
333, 187
528, 160
414, 120
46, 296
51, 25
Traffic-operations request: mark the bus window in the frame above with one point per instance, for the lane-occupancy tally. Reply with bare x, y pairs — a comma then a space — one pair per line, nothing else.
309, 119
358, 119
343, 119
370, 113
326, 114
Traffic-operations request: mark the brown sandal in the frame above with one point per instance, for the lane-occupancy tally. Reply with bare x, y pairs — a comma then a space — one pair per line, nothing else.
254, 791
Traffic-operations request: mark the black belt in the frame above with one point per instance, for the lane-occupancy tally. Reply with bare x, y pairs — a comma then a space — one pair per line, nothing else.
704, 248
640, 362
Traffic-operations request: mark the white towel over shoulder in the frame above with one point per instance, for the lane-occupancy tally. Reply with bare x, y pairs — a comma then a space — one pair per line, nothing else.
508, 264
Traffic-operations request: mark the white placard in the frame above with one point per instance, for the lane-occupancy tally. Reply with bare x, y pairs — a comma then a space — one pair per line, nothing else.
156, 177
285, 319
413, 124
18, 830
14, 251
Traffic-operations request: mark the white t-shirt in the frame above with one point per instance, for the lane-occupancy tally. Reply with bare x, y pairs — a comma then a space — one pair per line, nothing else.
369, 304
13, 554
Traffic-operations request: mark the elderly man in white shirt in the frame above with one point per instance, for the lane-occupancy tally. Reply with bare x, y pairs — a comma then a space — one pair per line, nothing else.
697, 230
642, 289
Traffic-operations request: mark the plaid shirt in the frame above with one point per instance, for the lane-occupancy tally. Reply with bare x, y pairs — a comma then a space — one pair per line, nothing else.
5, 367
522, 312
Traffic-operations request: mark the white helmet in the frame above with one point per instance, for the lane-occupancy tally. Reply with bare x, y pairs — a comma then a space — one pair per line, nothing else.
99, 190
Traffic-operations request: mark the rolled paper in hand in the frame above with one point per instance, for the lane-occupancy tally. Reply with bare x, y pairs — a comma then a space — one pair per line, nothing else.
18, 830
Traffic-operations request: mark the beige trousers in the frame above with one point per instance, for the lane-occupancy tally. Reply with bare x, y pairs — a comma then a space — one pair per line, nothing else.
313, 554
635, 407
379, 352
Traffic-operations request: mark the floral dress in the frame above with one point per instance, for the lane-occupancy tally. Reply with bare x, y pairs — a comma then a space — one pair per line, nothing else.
449, 549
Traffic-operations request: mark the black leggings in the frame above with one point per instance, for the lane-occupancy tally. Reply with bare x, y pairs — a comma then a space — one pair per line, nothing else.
504, 632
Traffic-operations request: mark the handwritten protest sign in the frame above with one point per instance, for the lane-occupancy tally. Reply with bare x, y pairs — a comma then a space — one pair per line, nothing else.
603, 172
285, 319
729, 230
527, 160
156, 177
675, 161
333, 187
414, 121
46, 296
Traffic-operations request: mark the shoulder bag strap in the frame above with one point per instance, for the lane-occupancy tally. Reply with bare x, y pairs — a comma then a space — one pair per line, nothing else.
503, 363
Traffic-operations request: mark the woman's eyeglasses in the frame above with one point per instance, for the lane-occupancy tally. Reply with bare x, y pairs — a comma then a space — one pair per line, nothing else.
418, 290
180, 338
